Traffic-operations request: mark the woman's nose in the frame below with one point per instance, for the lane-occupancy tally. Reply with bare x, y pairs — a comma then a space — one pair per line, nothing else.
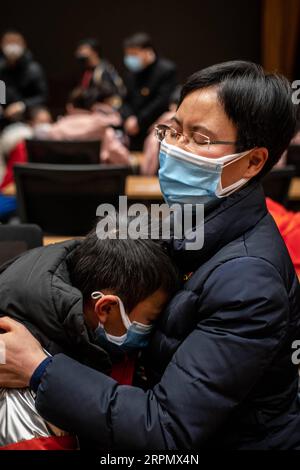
183, 141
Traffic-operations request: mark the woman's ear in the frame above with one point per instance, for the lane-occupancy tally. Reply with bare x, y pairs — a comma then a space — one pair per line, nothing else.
104, 306
256, 161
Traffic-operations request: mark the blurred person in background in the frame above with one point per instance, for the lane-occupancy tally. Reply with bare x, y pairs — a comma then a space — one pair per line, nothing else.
150, 82
96, 71
88, 113
13, 148
34, 118
24, 78
89, 116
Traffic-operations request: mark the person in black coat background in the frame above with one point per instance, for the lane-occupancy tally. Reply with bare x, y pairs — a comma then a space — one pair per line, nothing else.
221, 366
150, 82
25, 82
97, 72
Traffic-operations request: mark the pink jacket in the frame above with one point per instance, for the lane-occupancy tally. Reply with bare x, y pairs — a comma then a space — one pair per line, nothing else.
91, 126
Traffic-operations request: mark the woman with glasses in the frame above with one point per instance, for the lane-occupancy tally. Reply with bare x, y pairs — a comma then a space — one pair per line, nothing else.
221, 368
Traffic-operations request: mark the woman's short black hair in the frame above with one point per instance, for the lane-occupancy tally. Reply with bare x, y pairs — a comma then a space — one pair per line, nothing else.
258, 103
132, 269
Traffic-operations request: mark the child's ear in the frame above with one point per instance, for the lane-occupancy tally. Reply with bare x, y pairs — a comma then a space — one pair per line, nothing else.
104, 306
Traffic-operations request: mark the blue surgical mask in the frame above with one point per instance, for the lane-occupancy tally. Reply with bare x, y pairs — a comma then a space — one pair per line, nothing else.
133, 63
137, 335
188, 178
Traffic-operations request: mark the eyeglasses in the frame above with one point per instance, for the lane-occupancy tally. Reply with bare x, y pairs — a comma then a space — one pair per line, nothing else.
195, 142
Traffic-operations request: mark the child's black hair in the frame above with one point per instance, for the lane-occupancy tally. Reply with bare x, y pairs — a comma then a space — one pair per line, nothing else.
132, 269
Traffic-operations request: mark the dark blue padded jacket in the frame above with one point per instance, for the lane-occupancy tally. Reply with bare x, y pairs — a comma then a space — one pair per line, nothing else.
220, 361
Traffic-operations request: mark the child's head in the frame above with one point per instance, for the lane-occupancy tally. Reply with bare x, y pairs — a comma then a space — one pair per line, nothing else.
38, 115
112, 273
82, 100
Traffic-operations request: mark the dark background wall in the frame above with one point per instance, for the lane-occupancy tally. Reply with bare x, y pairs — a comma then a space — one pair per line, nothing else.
192, 33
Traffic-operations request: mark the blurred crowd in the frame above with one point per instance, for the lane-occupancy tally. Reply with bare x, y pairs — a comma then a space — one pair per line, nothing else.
121, 112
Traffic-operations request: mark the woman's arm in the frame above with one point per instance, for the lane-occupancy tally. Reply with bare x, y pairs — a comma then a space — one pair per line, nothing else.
209, 375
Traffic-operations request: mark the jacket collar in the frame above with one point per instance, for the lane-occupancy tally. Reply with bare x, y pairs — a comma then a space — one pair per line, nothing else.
234, 216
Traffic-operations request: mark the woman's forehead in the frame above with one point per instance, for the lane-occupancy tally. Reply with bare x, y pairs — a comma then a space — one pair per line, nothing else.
203, 108
199, 104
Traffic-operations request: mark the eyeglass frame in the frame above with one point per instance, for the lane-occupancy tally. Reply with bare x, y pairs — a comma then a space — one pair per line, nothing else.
164, 127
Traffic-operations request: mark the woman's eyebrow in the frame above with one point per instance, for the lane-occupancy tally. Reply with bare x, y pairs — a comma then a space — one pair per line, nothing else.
205, 130
196, 128
175, 119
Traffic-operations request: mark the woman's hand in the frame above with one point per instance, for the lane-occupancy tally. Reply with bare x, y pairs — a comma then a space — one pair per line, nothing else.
131, 126
20, 354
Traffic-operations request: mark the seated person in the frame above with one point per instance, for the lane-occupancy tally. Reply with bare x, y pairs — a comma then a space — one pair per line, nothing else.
150, 81
97, 71
13, 151
83, 120
94, 300
34, 119
24, 78
91, 116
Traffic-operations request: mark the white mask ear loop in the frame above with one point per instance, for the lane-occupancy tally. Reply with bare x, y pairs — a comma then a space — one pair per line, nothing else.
126, 320
97, 295
237, 158
224, 192
124, 316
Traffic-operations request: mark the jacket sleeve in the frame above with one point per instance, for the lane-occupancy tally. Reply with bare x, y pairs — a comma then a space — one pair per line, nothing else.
160, 101
126, 109
38, 87
211, 372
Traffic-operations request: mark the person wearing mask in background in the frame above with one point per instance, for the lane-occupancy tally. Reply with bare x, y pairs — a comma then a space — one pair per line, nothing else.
150, 82
24, 78
96, 71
